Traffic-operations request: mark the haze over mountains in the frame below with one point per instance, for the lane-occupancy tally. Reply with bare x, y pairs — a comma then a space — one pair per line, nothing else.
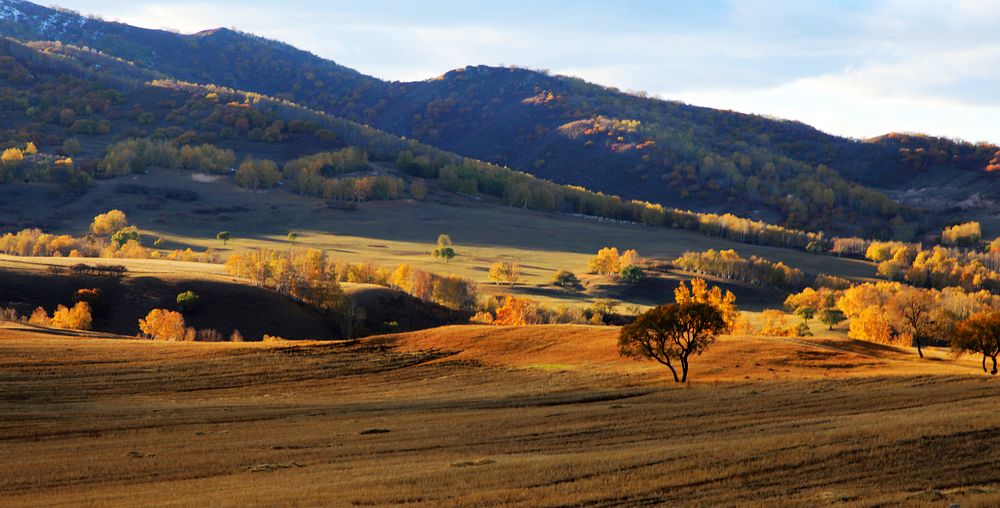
573, 132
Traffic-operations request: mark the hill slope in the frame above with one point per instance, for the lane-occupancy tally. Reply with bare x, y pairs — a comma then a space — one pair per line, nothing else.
559, 128
224, 305
124, 423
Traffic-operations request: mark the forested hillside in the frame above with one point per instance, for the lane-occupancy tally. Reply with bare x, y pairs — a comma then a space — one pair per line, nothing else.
558, 128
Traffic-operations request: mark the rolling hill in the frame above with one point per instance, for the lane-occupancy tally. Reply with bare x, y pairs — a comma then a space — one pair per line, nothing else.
480, 416
574, 132
224, 304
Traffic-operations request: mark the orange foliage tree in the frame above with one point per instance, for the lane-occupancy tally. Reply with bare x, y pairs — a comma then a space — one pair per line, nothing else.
162, 324
517, 312
75, 318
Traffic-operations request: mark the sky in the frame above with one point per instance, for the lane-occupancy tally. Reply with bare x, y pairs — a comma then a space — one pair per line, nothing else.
850, 67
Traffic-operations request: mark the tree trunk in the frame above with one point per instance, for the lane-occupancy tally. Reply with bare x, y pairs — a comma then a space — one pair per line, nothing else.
673, 371
684, 370
919, 350
994, 372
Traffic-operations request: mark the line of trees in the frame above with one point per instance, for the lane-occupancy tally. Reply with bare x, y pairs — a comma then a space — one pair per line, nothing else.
312, 277
137, 154
728, 264
895, 313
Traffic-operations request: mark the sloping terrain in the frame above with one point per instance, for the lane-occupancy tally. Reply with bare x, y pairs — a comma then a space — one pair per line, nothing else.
224, 304
590, 349
561, 128
370, 423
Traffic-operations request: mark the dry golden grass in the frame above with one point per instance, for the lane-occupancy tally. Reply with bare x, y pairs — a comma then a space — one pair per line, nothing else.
538, 416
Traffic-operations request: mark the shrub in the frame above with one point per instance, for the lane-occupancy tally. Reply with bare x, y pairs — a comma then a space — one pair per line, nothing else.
565, 279
39, 317
209, 335
10, 315
187, 301
631, 274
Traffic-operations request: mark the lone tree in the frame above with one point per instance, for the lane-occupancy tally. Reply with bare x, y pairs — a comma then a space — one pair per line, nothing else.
162, 324
806, 313
224, 236
979, 333
187, 301
292, 237
912, 307
831, 317
630, 274
565, 279
444, 249
671, 333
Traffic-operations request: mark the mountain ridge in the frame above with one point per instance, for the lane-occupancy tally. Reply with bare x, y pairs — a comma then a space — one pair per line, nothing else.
561, 128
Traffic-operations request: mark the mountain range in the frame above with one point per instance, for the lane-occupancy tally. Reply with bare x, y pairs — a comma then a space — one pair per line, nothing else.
569, 131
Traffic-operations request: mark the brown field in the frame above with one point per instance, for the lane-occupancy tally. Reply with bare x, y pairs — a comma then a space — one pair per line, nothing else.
467, 415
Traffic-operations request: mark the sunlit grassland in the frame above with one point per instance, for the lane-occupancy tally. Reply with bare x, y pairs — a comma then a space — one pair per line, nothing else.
390, 233
473, 415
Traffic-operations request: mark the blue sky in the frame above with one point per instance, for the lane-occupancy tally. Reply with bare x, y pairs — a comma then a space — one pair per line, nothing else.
855, 68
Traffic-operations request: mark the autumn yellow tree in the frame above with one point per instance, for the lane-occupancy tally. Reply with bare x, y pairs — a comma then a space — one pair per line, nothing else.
502, 271
699, 292
12, 158
40, 317
775, 324
812, 299
107, 224
402, 278
628, 258
162, 324
967, 234
871, 325
606, 262
74, 318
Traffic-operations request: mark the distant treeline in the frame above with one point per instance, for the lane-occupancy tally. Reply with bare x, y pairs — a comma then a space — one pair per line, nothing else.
757, 271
